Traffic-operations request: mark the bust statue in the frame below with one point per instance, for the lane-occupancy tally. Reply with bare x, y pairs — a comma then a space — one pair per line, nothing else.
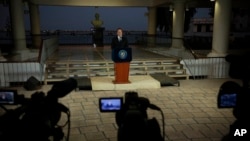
97, 23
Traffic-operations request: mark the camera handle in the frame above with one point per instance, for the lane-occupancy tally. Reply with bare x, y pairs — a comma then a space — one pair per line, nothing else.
65, 110
154, 107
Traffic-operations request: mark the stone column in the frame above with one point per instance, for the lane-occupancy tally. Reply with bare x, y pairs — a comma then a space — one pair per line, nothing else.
151, 40
221, 28
17, 22
35, 25
178, 24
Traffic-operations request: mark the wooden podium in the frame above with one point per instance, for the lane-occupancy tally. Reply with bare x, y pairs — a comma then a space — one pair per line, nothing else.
121, 58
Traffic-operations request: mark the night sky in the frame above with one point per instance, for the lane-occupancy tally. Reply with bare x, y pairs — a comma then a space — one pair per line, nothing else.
79, 18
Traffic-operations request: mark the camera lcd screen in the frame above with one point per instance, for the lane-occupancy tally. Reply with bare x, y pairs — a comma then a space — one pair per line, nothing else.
7, 96
110, 104
227, 100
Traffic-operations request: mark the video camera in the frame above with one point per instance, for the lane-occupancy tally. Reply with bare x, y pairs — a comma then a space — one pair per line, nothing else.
233, 95
35, 118
132, 119
8, 97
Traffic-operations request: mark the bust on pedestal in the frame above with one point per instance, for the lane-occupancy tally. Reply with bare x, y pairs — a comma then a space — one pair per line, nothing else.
97, 31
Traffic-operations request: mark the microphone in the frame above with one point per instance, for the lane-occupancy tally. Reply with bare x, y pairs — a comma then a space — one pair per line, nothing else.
62, 88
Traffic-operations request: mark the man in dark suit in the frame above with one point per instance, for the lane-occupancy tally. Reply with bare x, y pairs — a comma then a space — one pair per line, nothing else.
119, 41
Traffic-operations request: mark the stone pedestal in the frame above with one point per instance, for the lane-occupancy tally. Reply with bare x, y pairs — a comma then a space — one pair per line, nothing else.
97, 37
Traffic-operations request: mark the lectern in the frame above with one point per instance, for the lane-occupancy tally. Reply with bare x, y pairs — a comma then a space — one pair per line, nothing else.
122, 58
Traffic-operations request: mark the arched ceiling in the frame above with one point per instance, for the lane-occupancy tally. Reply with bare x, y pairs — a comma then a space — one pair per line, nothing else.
132, 3
96, 2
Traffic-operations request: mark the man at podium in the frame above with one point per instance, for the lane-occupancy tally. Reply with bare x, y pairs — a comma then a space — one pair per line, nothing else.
119, 41
121, 55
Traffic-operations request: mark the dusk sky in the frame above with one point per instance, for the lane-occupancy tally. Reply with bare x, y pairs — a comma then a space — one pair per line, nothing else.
79, 18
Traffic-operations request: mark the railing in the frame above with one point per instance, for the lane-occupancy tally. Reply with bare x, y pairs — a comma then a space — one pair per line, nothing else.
198, 65
15, 73
134, 38
85, 38
202, 68
195, 61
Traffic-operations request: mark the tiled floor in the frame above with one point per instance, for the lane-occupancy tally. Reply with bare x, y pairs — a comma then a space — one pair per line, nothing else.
190, 111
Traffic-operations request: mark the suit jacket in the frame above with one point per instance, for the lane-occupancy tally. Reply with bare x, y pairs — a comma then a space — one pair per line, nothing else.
119, 44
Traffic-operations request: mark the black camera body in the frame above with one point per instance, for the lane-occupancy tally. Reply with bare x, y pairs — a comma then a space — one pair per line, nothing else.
233, 95
131, 117
35, 118
8, 97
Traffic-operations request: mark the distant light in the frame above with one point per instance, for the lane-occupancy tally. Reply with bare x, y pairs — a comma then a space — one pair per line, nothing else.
187, 8
212, 0
171, 7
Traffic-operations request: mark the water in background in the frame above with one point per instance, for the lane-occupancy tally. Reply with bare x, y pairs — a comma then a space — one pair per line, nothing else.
86, 37
76, 37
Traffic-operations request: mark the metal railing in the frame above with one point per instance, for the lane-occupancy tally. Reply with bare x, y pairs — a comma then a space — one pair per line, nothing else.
16, 73
86, 37
198, 65
202, 68
195, 60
